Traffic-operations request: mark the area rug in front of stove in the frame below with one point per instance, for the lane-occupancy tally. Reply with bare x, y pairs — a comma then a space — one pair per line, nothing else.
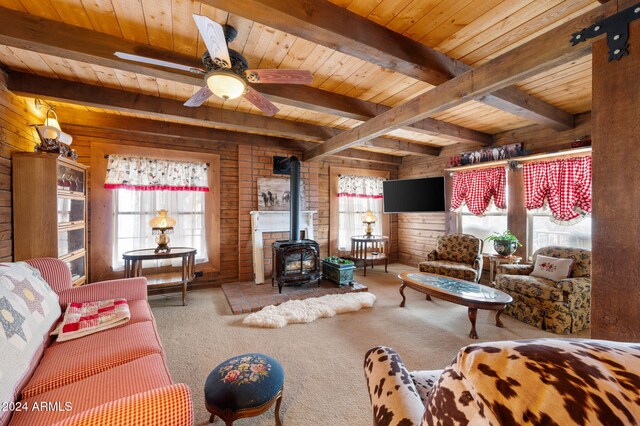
308, 310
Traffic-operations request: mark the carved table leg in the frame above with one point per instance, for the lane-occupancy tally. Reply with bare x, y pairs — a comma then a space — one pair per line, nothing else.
278, 402
473, 314
498, 322
212, 418
402, 294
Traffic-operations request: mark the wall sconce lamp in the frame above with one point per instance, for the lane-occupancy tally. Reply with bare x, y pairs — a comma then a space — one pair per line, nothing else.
52, 138
369, 218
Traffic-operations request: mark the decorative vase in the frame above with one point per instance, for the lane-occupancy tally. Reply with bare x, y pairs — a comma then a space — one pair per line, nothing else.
340, 274
505, 247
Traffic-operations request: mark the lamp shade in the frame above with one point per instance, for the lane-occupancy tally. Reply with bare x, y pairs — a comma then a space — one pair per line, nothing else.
369, 217
50, 132
225, 84
162, 221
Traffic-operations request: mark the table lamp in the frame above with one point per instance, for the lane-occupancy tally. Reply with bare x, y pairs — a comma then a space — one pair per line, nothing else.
162, 226
369, 218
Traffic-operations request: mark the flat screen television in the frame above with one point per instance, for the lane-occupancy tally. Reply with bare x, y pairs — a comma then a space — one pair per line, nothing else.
414, 195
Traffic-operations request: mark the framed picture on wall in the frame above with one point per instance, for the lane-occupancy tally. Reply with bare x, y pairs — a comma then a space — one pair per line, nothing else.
274, 194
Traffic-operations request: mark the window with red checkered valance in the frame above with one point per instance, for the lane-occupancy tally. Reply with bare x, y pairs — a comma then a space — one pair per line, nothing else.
476, 188
565, 185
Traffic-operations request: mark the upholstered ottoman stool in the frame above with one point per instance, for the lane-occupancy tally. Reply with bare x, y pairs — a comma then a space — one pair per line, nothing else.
244, 386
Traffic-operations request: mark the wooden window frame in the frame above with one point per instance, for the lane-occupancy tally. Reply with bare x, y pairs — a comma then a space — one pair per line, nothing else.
101, 206
334, 173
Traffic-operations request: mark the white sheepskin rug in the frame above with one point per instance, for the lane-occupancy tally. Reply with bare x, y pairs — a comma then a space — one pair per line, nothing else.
308, 310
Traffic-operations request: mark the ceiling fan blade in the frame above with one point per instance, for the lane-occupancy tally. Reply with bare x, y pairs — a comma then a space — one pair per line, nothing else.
159, 62
213, 37
199, 98
262, 103
279, 76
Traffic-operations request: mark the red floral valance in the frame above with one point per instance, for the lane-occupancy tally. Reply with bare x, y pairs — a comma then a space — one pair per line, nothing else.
565, 185
476, 188
150, 174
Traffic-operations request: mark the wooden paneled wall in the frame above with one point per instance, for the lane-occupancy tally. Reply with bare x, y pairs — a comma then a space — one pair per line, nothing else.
84, 137
417, 232
16, 116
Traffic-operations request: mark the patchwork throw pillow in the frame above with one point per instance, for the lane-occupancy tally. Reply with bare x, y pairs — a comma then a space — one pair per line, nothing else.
82, 319
552, 268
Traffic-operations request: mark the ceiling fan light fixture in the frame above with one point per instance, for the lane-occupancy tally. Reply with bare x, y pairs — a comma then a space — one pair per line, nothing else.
226, 84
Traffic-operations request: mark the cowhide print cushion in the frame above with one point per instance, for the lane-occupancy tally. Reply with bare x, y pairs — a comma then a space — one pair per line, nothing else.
539, 382
394, 397
424, 381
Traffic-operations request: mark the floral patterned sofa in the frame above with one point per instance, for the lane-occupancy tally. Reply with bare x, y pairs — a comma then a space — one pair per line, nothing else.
559, 307
457, 256
541, 382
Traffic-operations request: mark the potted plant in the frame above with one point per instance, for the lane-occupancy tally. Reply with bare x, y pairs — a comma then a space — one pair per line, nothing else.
338, 270
504, 244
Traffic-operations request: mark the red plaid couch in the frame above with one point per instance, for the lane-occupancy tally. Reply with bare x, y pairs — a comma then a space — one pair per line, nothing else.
115, 377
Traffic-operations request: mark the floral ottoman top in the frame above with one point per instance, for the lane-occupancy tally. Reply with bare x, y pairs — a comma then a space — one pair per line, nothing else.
245, 369
243, 382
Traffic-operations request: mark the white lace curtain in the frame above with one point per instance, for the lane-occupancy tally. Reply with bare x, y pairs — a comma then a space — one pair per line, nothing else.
151, 174
356, 195
134, 209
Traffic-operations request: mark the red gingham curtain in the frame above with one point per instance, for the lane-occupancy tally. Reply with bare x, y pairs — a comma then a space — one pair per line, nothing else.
565, 184
476, 188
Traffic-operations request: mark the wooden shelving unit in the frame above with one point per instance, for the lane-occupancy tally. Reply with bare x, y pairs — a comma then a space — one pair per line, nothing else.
50, 210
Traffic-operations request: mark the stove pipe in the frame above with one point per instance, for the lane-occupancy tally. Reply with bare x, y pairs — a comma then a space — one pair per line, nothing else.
292, 165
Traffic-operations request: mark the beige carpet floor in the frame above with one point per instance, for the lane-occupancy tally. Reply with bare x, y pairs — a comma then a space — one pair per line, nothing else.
324, 380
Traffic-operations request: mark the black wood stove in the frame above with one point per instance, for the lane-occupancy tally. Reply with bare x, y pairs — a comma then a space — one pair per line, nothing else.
295, 261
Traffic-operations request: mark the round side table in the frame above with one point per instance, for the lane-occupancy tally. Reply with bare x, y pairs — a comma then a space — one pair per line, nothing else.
496, 260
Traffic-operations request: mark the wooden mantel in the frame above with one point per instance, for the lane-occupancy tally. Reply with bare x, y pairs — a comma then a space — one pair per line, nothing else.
273, 221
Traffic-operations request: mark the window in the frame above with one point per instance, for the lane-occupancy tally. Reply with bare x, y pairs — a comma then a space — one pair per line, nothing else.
481, 227
356, 195
134, 209
543, 232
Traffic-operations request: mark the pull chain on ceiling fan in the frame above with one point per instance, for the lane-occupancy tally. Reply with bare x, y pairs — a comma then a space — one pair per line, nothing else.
227, 72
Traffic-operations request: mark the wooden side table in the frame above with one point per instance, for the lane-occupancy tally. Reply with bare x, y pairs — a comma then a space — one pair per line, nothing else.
370, 248
133, 266
496, 260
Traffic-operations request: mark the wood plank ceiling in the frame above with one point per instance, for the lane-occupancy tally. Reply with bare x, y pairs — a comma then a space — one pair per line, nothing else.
472, 31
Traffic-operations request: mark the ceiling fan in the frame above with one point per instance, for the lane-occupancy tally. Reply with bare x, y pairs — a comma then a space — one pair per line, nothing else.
227, 72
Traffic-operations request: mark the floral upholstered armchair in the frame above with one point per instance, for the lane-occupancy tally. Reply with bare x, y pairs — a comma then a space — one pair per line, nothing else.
457, 256
557, 306
539, 381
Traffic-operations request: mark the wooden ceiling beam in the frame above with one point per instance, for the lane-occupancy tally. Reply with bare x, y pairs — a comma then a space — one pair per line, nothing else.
58, 39
55, 38
411, 148
330, 25
338, 28
119, 100
533, 57
344, 106
100, 123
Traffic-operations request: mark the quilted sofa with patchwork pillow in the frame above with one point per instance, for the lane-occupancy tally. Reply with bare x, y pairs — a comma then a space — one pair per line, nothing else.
540, 382
115, 376
457, 256
560, 306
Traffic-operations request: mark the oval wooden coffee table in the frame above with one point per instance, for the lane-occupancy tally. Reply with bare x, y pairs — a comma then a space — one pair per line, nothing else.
465, 293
